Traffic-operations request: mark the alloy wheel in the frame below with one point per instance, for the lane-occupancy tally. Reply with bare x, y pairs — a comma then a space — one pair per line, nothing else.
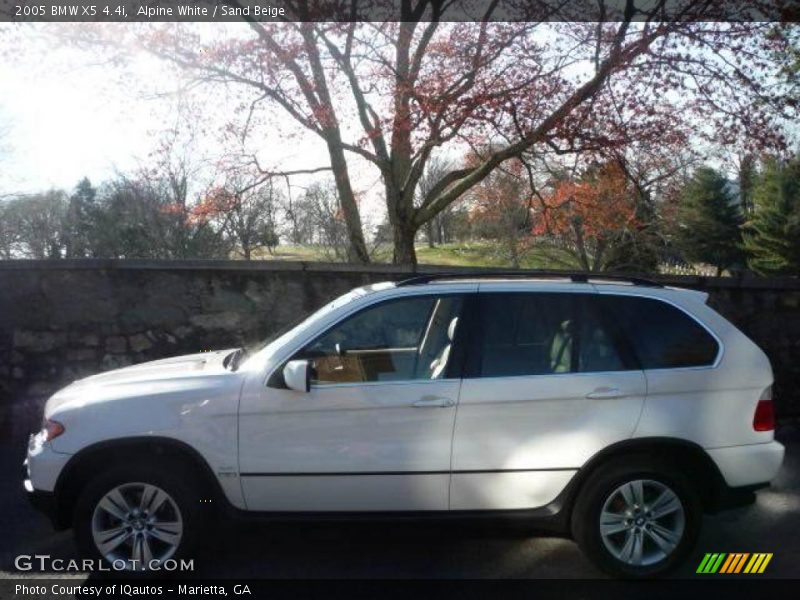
137, 523
642, 522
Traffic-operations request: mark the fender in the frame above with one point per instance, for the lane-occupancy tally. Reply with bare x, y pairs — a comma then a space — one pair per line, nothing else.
76, 472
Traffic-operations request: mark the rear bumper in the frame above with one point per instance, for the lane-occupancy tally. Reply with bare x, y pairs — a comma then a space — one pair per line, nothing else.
734, 497
749, 465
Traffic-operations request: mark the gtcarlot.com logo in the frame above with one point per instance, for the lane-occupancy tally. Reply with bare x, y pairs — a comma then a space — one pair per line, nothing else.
43, 562
735, 562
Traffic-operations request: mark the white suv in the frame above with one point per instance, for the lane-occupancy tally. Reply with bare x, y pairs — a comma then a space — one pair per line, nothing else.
616, 412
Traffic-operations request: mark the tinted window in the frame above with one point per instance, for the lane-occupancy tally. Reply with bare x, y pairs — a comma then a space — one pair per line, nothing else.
541, 334
598, 348
404, 339
661, 335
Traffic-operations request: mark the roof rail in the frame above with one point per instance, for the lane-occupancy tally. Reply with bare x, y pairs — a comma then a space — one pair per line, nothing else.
574, 277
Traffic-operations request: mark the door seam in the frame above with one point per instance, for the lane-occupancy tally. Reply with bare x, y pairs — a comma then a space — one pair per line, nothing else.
452, 445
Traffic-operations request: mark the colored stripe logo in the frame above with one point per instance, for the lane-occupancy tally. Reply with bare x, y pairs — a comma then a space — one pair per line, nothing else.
734, 562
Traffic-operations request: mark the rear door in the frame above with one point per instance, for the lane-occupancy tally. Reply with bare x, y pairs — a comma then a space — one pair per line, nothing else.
550, 382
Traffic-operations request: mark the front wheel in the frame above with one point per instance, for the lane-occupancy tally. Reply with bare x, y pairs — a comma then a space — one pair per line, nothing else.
136, 518
635, 520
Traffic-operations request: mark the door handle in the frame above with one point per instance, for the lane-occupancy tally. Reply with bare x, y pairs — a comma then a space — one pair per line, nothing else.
433, 402
605, 393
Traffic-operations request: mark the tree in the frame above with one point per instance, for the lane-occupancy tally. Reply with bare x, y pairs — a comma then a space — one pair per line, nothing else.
746, 174
322, 210
438, 229
392, 93
80, 220
246, 213
501, 210
9, 230
586, 217
654, 173
772, 238
39, 223
709, 221
148, 217
153, 210
788, 55
299, 227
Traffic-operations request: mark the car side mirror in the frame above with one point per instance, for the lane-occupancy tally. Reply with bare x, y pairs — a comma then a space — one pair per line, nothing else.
297, 375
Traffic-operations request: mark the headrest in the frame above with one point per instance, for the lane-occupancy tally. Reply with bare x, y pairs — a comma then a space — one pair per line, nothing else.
451, 329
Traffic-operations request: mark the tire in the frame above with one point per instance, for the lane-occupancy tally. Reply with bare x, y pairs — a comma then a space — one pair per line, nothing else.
641, 548
166, 526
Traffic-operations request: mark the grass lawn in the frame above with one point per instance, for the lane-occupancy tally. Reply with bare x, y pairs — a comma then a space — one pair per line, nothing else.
481, 254
468, 254
282, 252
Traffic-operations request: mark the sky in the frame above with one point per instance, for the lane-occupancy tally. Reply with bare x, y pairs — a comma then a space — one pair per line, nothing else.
64, 120
65, 115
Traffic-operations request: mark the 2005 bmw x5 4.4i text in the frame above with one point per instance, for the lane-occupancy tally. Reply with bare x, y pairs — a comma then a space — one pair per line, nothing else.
615, 412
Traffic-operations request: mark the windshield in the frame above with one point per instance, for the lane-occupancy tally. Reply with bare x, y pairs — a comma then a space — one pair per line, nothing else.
308, 319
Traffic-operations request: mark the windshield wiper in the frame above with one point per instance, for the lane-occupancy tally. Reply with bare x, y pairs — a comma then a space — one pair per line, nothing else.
234, 359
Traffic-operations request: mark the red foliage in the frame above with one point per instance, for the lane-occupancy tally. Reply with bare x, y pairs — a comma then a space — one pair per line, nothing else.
600, 205
217, 202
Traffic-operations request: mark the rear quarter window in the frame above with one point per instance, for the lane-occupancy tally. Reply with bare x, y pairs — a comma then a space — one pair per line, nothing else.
661, 335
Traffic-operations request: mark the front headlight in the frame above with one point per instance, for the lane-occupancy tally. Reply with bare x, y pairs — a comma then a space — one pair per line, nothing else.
50, 430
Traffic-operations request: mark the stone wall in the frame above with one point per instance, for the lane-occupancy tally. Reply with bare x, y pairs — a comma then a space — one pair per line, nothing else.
62, 320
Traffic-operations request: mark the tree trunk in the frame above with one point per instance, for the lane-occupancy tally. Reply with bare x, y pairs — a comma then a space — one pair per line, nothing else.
430, 232
357, 250
404, 251
400, 205
583, 255
599, 256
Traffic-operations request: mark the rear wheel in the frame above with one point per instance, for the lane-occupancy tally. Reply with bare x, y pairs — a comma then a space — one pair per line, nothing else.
636, 520
137, 517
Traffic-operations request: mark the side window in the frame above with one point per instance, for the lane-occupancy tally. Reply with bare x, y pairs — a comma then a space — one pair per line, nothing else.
404, 339
662, 336
545, 334
599, 350
526, 334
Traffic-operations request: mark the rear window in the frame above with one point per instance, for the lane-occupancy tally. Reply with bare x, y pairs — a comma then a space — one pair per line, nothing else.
661, 335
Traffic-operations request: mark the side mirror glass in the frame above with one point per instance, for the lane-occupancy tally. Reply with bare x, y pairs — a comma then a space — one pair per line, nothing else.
297, 375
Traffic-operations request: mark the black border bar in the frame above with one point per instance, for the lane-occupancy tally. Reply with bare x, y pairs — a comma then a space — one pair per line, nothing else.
396, 10
731, 588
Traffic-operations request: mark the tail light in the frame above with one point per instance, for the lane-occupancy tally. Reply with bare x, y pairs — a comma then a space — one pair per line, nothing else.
764, 419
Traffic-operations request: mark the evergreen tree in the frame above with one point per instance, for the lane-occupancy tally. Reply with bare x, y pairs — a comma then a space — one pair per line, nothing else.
772, 238
80, 221
709, 221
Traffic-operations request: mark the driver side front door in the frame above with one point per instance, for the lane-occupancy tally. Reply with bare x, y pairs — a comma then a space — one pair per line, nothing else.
374, 432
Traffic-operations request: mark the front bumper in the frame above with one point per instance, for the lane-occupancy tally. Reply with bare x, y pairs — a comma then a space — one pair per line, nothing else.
44, 502
41, 469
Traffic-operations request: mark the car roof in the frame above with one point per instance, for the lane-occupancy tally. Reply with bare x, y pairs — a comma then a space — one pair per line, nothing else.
509, 276
565, 283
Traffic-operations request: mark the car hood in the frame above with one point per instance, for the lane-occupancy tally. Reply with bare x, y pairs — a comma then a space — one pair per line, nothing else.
164, 376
